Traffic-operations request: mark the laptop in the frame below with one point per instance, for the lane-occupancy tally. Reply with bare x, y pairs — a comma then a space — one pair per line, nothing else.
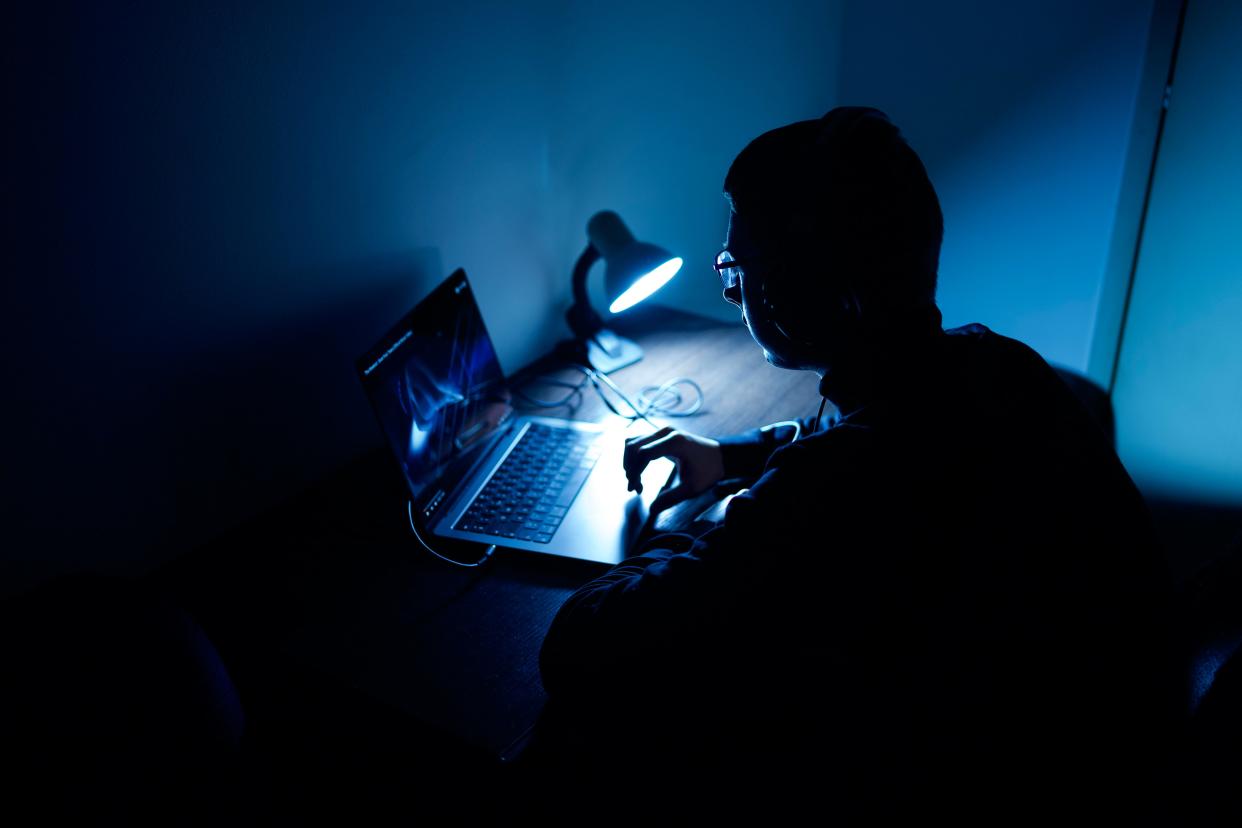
477, 471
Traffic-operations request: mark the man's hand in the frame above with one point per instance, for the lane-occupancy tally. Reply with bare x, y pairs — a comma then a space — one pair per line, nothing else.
700, 463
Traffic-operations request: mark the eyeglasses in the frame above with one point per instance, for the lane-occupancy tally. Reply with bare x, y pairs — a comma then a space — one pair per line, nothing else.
729, 268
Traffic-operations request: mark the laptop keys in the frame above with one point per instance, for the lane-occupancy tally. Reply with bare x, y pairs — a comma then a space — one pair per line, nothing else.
530, 494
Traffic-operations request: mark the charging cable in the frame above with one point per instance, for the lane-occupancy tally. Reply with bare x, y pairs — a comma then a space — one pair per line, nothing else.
661, 399
573, 398
409, 511
665, 400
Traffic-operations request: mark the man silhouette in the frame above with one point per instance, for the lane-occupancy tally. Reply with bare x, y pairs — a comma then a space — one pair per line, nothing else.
949, 592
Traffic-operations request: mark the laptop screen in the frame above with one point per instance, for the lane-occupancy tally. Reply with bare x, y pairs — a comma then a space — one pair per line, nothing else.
435, 383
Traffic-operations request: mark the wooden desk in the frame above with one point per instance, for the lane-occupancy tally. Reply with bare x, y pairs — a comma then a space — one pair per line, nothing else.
334, 585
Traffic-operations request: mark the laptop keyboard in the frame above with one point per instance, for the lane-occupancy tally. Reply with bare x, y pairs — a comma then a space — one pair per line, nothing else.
528, 496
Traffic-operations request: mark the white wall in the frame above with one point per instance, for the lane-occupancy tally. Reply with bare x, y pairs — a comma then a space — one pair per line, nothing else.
220, 205
1022, 114
660, 97
1179, 380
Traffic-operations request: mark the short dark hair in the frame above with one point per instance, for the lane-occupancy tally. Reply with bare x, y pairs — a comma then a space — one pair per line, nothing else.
847, 188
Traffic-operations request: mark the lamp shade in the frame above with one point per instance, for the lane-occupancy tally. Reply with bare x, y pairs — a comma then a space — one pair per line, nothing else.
633, 270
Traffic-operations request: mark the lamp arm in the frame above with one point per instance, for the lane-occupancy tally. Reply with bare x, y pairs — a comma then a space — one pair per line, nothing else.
582, 318
590, 255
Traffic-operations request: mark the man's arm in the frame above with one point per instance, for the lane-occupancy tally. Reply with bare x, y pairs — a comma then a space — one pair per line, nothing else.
746, 454
658, 615
703, 462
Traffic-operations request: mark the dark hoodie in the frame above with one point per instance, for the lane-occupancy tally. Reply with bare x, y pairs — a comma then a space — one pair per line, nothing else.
954, 588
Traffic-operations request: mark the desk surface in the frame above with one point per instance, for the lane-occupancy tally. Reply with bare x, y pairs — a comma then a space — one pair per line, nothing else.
334, 583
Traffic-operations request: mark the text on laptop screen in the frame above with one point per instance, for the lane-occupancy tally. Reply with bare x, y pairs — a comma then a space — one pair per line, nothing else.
435, 382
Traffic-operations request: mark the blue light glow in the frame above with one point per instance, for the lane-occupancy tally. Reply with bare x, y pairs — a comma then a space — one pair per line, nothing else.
646, 285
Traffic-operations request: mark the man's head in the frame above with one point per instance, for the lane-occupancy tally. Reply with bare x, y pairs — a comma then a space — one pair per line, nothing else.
837, 229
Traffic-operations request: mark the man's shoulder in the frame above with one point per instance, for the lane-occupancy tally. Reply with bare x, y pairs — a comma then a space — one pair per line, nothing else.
977, 338
995, 365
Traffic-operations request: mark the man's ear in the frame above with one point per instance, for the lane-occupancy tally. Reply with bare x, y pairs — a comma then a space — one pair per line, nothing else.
788, 312
803, 315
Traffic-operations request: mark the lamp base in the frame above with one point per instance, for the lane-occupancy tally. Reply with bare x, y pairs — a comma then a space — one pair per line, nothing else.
608, 352
605, 351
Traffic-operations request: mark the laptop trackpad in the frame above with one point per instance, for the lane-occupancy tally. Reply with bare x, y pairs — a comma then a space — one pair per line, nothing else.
606, 518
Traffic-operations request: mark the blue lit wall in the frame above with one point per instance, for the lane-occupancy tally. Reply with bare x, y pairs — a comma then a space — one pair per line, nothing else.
220, 205
1022, 113
658, 99
1179, 381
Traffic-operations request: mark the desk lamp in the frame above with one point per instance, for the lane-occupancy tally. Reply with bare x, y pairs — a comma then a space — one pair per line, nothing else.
633, 271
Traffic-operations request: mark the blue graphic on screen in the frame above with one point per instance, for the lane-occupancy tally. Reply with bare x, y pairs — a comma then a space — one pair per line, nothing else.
435, 383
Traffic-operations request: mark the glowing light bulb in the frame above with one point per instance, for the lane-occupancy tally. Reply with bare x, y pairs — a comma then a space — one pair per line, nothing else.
646, 285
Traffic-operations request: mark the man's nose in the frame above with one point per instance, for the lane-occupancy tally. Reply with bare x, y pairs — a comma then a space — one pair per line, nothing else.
733, 295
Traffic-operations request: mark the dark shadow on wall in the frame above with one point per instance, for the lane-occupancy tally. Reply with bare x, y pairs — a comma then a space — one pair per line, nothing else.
268, 414
220, 429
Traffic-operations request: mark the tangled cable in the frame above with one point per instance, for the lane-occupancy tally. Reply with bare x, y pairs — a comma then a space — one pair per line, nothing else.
665, 399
